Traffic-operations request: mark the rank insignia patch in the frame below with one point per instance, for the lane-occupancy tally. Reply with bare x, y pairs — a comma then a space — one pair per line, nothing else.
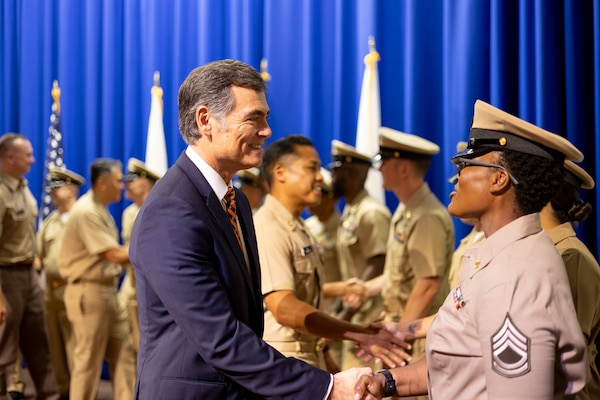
510, 350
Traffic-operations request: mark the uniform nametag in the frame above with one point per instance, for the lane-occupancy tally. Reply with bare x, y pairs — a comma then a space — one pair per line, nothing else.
306, 250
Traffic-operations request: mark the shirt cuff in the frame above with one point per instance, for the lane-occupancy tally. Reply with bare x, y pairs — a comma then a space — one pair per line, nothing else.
329, 388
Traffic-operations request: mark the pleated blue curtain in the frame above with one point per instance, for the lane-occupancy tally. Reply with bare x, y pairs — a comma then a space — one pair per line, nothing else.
534, 58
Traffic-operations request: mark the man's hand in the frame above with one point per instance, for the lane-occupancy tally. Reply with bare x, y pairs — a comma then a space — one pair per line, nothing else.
344, 383
369, 387
384, 346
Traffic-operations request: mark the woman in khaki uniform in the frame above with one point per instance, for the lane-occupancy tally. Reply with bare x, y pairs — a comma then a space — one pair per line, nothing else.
582, 268
509, 330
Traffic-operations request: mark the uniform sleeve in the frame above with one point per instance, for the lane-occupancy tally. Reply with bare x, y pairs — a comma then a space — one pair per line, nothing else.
39, 239
372, 230
584, 281
427, 247
521, 343
275, 254
94, 233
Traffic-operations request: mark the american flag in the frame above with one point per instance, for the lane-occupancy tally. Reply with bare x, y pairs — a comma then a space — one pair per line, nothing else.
54, 152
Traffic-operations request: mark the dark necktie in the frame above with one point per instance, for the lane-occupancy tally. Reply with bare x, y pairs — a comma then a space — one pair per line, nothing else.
231, 213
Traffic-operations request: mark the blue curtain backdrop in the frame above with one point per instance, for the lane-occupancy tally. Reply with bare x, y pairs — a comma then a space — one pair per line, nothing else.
538, 59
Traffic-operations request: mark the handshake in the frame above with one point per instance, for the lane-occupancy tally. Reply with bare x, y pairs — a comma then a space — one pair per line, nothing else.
388, 344
362, 383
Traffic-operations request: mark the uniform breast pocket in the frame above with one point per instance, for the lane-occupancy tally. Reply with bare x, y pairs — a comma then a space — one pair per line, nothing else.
303, 266
17, 214
348, 238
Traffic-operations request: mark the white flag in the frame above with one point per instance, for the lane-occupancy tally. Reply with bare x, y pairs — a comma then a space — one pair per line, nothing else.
369, 120
156, 149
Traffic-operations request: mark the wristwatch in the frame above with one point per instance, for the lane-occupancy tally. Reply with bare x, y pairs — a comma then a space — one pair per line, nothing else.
390, 383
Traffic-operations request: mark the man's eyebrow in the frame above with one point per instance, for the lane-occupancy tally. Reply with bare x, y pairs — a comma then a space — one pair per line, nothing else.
258, 113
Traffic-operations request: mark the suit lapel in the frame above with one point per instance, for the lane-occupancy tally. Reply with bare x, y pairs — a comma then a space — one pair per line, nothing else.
245, 217
218, 213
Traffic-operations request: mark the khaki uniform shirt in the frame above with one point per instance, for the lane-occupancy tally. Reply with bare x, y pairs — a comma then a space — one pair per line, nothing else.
420, 245
127, 220
510, 330
583, 273
473, 237
289, 260
49, 242
325, 233
362, 234
127, 289
90, 231
18, 213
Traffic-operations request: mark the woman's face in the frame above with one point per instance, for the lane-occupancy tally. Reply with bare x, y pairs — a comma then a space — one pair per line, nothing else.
471, 196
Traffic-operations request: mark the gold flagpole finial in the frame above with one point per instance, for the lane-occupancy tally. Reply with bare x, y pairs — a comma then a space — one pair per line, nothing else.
156, 89
56, 96
373, 56
264, 64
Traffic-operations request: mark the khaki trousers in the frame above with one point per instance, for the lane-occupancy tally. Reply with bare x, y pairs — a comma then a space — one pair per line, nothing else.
62, 342
99, 334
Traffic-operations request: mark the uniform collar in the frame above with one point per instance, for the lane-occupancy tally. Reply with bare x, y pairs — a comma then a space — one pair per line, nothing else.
417, 198
282, 214
490, 247
561, 232
12, 182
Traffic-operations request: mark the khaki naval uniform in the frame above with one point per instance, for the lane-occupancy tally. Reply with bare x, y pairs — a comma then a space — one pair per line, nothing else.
419, 245
362, 234
472, 237
25, 326
127, 296
91, 300
289, 260
510, 330
583, 273
62, 343
325, 234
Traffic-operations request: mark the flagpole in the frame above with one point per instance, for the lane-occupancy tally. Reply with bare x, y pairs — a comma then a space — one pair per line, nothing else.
156, 148
369, 119
54, 153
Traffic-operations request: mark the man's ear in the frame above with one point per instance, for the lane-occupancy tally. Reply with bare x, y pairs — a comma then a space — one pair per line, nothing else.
279, 173
203, 121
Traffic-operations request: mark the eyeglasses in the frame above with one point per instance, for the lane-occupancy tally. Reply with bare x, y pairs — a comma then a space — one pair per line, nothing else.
462, 163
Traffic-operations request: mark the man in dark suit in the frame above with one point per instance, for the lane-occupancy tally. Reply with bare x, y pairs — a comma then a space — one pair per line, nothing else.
196, 260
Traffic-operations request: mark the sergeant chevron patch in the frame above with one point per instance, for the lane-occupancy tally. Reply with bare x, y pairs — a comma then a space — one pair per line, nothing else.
510, 350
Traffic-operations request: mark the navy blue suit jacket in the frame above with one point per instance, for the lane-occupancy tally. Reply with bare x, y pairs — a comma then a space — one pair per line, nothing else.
200, 306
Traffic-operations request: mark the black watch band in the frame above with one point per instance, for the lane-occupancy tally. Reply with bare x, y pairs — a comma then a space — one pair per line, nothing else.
390, 383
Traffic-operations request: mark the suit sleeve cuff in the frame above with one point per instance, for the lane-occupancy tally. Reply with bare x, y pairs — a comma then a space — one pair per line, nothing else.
329, 388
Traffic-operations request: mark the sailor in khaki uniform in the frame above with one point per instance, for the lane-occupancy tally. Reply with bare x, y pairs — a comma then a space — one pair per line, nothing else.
323, 225
64, 189
253, 185
509, 329
421, 237
139, 180
89, 261
582, 268
361, 236
22, 321
289, 255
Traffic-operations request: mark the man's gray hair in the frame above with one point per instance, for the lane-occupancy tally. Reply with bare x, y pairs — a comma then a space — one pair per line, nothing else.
210, 85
